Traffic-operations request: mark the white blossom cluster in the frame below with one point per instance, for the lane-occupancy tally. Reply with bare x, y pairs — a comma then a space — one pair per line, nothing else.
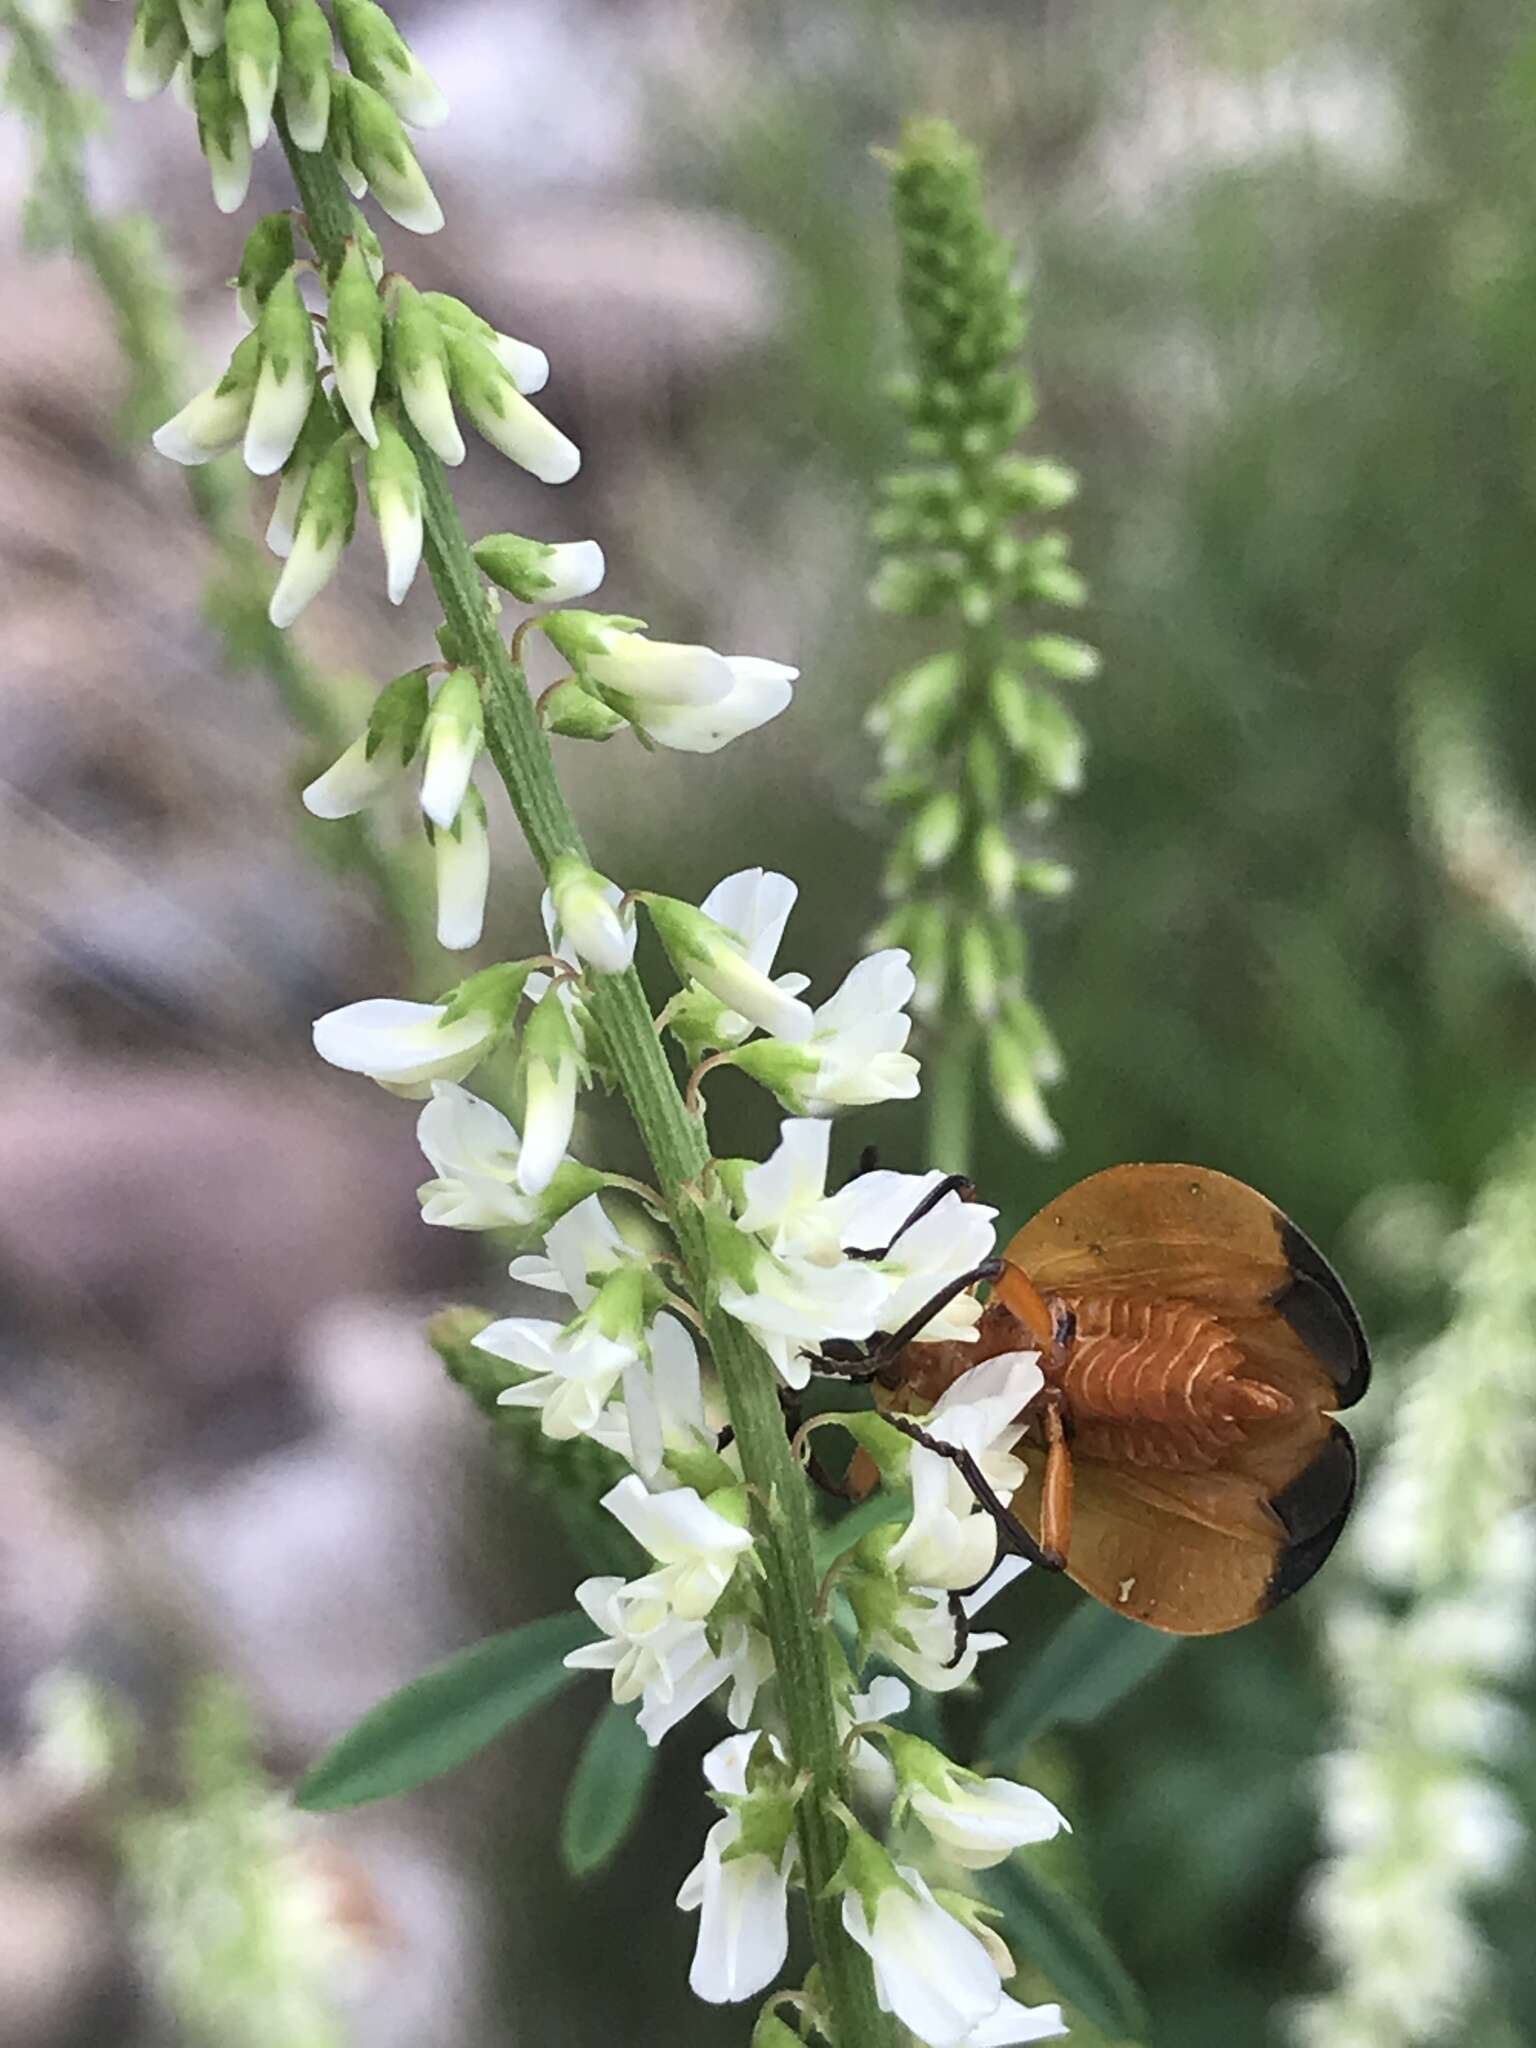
1438, 1623
622, 1366
372, 374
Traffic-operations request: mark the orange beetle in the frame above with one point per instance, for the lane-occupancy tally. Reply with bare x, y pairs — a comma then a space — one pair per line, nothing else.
1195, 1347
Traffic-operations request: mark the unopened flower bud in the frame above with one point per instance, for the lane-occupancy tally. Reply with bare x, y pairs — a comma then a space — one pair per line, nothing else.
203, 21
505, 418
338, 134
979, 968
286, 383
527, 366
319, 431
935, 832
222, 133
540, 571
587, 909
383, 154
1015, 1081
455, 734
381, 57
304, 78
355, 328
418, 355
253, 51
997, 865
211, 423
1057, 743
327, 515
461, 858
551, 1073
1073, 660
394, 495
155, 47
379, 754
266, 258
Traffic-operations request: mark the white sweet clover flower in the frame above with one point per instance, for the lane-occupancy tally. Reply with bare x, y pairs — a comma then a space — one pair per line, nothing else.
872, 1772
379, 756
461, 867
914, 1627
662, 1413
670, 1665
786, 1270
697, 1543
676, 695
740, 1886
854, 1053
474, 1152
753, 906
705, 952
553, 1071
573, 1368
951, 1542
932, 1971
591, 915
405, 1046
978, 1821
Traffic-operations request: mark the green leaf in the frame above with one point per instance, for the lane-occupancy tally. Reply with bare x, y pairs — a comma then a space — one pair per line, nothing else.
613, 1775
1094, 1659
441, 1719
1047, 1928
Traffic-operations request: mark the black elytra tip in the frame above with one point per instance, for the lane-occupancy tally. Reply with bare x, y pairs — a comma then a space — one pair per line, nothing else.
1313, 1509
1314, 1302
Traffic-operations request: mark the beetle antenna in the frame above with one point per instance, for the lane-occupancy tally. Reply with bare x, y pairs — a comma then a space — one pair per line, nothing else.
952, 1184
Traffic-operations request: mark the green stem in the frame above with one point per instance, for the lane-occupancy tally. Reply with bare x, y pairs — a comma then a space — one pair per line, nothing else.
677, 1146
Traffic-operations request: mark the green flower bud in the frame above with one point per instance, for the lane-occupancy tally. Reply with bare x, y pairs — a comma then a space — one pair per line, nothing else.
979, 968
381, 57
1057, 744
267, 257
213, 421
935, 832
203, 21
1072, 660
418, 357
1015, 1084
327, 516
1045, 877
339, 135
394, 497
578, 634
518, 430
304, 78
455, 734
356, 331
222, 133
538, 571
997, 865
286, 384
369, 243
253, 51
1031, 484
576, 714
386, 159
156, 46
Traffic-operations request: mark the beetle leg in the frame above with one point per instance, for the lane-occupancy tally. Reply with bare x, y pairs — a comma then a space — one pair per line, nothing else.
952, 1184
1009, 1527
962, 1621
1056, 1493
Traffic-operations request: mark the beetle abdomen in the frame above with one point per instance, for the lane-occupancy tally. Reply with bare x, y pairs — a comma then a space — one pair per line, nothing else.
1167, 1363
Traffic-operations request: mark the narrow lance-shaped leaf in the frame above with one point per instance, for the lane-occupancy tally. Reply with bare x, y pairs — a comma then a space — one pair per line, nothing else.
1056, 1934
444, 1717
1094, 1659
607, 1792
